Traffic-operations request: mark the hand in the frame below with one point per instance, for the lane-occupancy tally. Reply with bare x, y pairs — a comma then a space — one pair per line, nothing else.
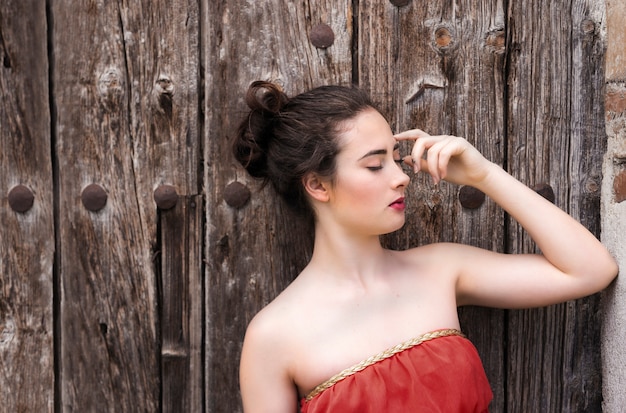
445, 157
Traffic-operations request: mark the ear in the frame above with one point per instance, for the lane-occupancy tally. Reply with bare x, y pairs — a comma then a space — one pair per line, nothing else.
317, 188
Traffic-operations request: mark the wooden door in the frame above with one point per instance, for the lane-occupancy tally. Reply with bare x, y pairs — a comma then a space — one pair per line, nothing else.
125, 81
455, 67
134, 250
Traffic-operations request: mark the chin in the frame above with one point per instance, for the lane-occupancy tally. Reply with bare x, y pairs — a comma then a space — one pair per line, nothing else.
393, 229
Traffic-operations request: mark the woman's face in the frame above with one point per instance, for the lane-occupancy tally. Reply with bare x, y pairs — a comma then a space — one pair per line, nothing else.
367, 194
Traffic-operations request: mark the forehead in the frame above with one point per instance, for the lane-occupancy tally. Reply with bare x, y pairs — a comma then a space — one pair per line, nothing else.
367, 131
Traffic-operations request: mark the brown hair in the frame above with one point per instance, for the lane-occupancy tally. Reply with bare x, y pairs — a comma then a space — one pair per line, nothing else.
283, 139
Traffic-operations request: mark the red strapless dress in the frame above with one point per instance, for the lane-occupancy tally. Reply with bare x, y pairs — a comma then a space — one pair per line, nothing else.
436, 372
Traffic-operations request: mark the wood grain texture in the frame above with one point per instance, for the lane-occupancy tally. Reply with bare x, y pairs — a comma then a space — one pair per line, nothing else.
26, 238
556, 136
181, 305
252, 253
125, 78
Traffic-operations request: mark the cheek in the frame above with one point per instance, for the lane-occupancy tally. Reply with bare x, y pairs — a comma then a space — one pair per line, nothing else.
360, 191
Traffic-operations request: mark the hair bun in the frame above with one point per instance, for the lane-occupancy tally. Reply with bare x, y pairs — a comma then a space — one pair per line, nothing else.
265, 100
266, 97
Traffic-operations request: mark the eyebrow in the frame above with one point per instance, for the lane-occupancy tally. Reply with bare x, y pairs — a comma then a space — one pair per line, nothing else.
379, 151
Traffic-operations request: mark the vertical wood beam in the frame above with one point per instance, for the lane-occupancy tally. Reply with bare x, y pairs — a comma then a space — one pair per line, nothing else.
556, 138
26, 211
181, 306
126, 80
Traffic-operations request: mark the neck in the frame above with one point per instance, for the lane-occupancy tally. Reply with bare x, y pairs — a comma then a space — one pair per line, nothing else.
347, 256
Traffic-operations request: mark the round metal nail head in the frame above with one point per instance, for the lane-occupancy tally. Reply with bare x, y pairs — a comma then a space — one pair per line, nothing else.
165, 197
470, 197
322, 36
21, 198
94, 197
236, 194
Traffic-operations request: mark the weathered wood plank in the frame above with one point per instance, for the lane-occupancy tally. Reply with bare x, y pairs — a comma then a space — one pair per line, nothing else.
556, 136
181, 305
125, 80
439, 67
254, 252
26, 221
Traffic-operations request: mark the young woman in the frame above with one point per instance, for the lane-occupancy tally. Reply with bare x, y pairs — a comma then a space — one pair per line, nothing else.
366, 329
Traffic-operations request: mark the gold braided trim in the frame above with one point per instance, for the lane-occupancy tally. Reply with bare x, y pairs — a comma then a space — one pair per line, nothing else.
382, 356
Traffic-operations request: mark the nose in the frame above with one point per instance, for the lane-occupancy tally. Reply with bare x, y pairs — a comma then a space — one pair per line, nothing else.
400, 178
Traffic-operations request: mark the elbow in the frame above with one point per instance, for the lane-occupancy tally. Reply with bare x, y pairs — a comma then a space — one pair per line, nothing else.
606, 273
613, 271
596, 275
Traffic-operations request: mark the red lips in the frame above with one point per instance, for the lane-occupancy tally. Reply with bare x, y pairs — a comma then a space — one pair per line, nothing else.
398, 204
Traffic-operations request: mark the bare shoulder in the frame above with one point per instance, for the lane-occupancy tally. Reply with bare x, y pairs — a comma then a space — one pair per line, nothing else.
271, 330
267, 360
269, 327
443, 255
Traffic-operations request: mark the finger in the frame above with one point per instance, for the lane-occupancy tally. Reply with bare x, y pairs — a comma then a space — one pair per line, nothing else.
432, 159
438, 156
411, 134
454, 148
417, 153
416, 164
427, 148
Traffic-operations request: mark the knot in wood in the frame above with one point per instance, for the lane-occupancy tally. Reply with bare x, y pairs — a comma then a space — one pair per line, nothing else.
588, 26
236, 194
593, 184
546, 191
94, 197
163, 93
443, 38
165, 197
164, 86
495, 41
110, 83
21, 198
470, 197
400, 3
322, 36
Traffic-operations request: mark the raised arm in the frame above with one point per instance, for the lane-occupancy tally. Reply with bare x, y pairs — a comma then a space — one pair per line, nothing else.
573, 262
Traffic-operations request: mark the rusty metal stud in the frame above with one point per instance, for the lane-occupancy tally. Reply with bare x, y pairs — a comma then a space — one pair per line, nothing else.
619, 186
21, 198
400, 3
470, 197
94, 197
322, 36
165, 196
236, 194
545, 190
